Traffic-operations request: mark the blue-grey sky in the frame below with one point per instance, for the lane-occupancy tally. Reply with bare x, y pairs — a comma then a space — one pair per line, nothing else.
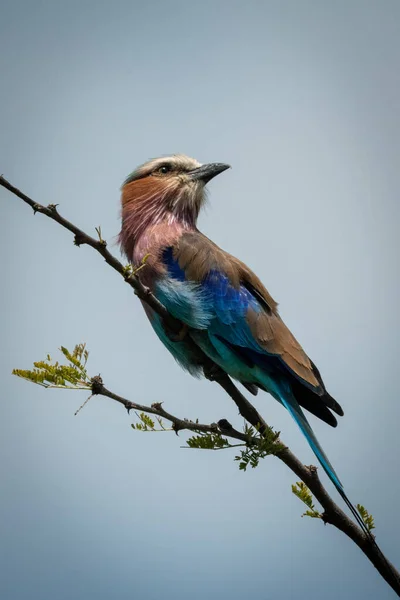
302, 99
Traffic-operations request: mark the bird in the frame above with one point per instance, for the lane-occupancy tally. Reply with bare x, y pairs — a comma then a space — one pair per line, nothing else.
226, 312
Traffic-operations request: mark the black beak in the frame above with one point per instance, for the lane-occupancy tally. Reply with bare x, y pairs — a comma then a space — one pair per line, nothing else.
206, 172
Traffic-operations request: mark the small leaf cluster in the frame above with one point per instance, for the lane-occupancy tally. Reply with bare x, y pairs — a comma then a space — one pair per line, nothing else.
366, 517
142, 264
49, 374
208, 441
99, 235
267, 444
303, 493
146, 423
127, 270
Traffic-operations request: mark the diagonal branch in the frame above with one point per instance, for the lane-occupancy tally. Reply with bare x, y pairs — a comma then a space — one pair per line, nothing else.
333, 514
223, 427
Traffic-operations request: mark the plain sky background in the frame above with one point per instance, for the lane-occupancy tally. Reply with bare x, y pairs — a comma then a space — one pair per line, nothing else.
302, 99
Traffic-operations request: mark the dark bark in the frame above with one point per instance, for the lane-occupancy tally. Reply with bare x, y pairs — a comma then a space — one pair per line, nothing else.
333, 514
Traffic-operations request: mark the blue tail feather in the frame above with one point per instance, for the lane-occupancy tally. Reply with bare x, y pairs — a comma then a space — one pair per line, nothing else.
294, 409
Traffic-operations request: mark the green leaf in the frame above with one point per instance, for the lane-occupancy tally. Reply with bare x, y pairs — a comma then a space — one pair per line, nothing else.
146, 423
314, 514
208, 441
49, 374
267, 444
366, 517
303, 493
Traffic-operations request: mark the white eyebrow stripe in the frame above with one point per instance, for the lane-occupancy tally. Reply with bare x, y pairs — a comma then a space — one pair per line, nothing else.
180, 161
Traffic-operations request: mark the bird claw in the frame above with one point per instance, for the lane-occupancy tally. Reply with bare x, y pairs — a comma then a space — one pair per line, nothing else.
212, 372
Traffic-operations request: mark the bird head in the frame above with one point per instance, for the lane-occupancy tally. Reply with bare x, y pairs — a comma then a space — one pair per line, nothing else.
165, 189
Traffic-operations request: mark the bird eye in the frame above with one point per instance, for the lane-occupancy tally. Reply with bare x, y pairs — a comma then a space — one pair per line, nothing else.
164, 169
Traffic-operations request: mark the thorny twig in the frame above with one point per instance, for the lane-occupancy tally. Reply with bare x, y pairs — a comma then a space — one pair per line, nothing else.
333, 514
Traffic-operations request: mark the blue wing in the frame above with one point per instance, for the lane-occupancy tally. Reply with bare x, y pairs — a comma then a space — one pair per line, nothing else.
212, 304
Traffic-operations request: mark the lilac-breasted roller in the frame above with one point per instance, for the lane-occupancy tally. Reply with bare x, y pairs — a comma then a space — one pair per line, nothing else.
223, 306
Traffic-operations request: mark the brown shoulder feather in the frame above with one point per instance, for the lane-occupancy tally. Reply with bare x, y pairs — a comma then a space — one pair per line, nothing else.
271, 332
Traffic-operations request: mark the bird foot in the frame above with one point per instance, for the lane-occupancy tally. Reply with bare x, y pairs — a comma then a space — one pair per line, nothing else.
212, 372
